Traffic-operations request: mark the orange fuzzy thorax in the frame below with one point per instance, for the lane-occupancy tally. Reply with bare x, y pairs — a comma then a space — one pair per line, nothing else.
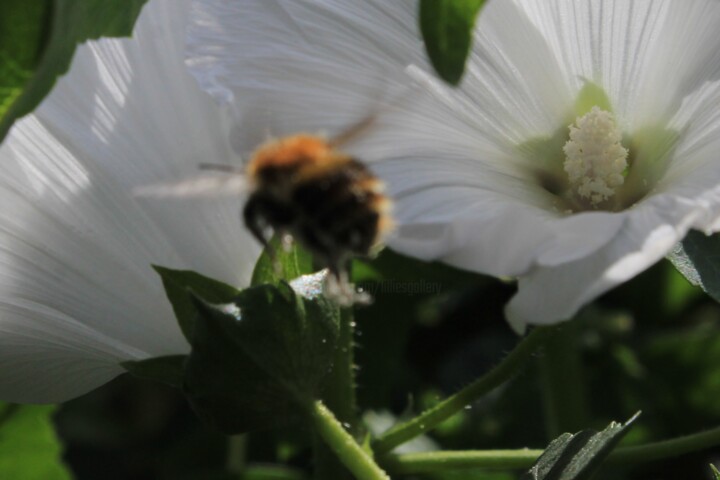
296, 150
296, 158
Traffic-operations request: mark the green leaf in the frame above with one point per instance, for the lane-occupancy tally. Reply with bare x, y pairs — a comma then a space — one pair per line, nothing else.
169, 369
402, 288
698, 259
427, 277
256, 362
37, 42
29, 448
715, 472
178, 285
683, 264
447, 29
577, 456
279, 263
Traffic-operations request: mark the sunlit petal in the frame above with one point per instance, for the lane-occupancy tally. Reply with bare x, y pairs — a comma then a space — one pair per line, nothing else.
477, 171
77, 291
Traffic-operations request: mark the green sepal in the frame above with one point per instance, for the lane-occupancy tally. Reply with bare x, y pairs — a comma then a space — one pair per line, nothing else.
650, 151
591, 95
169, 369
278, 263
256, 362
179, 283
38, 41
545, 154
577, 456
447, 29
715, 472
29, 448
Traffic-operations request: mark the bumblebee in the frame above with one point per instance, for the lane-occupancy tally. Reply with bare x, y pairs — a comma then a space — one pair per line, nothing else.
304, 187
331, 203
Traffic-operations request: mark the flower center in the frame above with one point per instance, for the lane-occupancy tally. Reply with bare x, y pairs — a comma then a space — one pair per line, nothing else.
595, 159
596, 166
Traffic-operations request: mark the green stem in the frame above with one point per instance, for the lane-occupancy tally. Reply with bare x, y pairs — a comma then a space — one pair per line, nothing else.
428, 462
667, 448
270, 472
339, 396
430, 418
563, 383
235, 457
357, 460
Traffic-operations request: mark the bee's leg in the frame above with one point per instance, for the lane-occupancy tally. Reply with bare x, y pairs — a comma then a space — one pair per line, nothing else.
339, 287
287, 241
255, 222
334, 266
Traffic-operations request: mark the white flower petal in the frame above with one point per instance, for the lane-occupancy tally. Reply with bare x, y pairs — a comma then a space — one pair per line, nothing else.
322, 65
648, 233
340, 82
77, 290
550, 293
647, 54
698, 121
302, 81
478, 236
463, 194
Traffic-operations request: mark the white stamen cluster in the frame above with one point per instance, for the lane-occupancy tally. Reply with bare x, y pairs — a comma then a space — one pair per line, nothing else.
595, 158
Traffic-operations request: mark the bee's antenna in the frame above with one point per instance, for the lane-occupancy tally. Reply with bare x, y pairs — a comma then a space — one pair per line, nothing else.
353, 131
383, 104
220, 167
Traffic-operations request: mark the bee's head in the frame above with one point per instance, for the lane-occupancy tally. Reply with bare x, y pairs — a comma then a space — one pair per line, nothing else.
275, 164
275, 177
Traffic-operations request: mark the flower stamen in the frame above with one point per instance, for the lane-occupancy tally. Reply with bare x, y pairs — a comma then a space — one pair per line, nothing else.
595, 158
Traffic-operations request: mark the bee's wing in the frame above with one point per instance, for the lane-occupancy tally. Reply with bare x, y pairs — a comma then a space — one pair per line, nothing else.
197, 187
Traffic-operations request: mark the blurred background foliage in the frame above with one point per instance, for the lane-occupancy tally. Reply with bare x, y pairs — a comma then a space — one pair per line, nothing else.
651, 345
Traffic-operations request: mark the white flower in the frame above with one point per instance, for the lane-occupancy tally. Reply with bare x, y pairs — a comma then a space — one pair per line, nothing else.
77, 291
489, 177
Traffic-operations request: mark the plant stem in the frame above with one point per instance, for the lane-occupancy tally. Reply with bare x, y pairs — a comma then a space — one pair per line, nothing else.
357, 460
339, 396
430, 418
666, 448
563, 383
428, 462
235, 457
